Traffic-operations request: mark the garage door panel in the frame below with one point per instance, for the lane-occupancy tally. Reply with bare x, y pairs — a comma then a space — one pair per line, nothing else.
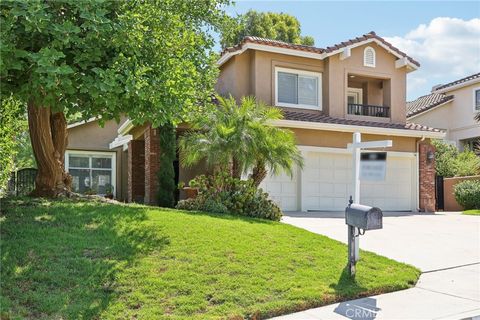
327, 184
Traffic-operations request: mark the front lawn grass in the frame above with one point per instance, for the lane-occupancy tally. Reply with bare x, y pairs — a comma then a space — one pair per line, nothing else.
474, 212
84, 260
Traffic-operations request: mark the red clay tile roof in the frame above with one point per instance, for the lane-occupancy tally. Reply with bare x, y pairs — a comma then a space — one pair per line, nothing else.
276, 43
454, 83
426, 102
316, 116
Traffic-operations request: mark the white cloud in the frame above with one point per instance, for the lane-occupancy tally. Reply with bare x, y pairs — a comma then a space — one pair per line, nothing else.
447, 49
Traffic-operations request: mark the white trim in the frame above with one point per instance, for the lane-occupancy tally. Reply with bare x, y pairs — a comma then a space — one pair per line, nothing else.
125, 127
374, 54
346, 53
120, 141
361, 129
358, 91
397, 154
112, 154
306, 54
318, 75
82, 122
425, 111
457, 86
475, 110
400, 63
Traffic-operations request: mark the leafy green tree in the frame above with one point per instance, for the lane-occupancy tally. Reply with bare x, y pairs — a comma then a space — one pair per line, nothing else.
240, 139
271, 25
11, 122
150, 60
166, 171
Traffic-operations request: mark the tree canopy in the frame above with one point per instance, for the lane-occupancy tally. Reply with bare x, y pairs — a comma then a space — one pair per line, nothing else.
147, 59
271, 25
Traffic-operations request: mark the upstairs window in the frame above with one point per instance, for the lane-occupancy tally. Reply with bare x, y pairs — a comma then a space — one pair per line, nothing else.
477, 100
298, 89
369, 57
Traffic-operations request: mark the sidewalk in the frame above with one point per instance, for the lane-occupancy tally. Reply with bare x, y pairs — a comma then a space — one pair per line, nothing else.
445, 294
445, 246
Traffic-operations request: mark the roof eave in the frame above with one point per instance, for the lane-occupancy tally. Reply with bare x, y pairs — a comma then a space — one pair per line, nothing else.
431, 109
361, 129
457, 86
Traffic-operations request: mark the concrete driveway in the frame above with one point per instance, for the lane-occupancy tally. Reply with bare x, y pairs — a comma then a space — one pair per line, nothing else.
445, 246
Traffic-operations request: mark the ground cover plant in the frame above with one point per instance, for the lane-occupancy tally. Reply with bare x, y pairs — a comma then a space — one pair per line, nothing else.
65, 259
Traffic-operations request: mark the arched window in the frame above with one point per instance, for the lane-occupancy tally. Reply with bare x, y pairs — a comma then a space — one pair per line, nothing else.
369, 57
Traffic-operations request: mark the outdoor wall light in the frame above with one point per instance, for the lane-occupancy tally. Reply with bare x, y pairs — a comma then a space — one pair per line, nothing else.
430, 156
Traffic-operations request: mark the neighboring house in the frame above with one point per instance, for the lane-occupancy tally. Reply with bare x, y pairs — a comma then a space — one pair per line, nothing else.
451, 107
326, 95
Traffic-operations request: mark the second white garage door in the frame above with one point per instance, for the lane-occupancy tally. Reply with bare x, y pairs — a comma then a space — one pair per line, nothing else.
326, 184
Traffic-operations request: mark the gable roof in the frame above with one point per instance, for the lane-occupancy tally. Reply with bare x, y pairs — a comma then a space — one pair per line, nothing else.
427, 102
314, 52
458, 83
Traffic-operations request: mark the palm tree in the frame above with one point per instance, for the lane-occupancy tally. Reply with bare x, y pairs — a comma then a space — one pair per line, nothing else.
240, 139
477, 117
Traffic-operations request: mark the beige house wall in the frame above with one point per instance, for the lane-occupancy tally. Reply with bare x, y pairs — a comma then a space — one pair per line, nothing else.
456, 117
253, 73
334, 139
91, 137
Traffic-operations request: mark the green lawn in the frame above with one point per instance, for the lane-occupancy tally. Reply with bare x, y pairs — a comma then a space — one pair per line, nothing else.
72, 260
474, 212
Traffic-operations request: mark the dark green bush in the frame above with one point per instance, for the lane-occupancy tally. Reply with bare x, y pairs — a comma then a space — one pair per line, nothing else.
467, 194
223, 194
166, 171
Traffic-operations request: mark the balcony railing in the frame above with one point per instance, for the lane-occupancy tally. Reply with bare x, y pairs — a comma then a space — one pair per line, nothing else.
368, 110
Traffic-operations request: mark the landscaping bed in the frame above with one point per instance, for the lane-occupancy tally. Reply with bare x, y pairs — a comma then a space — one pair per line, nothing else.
89, 259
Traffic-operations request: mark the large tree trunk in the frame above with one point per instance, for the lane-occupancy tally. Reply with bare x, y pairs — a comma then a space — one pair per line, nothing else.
259, 173
48, 133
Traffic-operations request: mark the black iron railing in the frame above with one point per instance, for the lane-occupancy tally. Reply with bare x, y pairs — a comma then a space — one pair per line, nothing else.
368, 110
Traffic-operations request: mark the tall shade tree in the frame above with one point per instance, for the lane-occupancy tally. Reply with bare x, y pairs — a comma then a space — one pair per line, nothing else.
241, 139
150, 60
271, 25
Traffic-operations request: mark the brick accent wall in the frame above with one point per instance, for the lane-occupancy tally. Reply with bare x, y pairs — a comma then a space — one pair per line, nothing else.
152, 153
427, 178
136, 171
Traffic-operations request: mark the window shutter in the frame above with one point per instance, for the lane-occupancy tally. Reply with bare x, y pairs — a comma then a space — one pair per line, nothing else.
369, 57
287, 87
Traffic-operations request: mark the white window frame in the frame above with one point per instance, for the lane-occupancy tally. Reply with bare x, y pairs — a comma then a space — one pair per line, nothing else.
357, 92
318, 75
95, 153
372, 65
475, 99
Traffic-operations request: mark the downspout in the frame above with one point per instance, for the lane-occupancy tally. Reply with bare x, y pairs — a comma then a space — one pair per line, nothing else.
418, 171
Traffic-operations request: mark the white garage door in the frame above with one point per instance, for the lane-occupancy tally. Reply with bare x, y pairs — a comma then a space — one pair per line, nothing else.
282, 189
326, 184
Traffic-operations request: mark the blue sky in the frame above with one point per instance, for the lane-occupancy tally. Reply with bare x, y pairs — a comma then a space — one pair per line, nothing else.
447, 45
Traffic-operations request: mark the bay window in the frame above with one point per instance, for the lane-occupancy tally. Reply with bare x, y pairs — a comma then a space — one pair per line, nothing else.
298, 89
92, 172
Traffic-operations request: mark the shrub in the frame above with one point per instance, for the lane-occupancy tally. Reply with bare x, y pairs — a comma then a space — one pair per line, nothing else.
166, 171
467, 194
223, 194
449, 162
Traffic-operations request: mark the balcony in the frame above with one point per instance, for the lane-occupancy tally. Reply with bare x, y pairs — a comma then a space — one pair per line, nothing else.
368, 110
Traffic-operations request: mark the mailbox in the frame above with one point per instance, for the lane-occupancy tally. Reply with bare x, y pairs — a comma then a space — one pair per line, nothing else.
363, 217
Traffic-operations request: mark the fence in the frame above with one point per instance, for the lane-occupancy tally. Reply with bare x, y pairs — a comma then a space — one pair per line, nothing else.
22, 182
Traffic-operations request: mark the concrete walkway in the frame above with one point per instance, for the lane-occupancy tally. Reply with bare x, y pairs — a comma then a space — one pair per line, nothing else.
445, 246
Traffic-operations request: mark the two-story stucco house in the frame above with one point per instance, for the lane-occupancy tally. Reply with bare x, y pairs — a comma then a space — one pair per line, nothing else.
326, 94
451, 107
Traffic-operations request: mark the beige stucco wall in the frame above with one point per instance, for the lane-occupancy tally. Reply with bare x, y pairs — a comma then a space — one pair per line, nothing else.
334, 139
91, 137
456, 117
253, 73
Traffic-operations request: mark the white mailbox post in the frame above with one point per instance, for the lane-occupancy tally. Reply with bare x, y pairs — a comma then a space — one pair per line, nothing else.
356, 146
